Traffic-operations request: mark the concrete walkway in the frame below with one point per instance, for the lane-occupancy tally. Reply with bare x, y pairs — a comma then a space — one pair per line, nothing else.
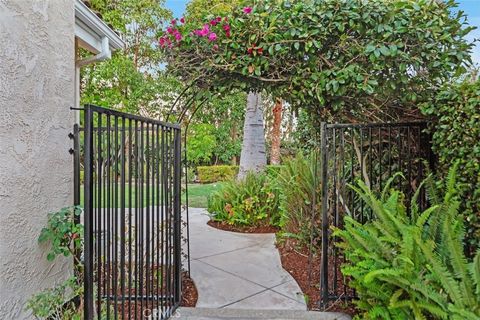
244, 314
239, 271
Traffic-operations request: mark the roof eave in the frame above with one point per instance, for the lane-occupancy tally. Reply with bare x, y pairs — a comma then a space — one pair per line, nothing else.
90, 30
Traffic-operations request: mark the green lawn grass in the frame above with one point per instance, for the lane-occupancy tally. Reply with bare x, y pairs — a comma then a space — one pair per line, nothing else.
197, 195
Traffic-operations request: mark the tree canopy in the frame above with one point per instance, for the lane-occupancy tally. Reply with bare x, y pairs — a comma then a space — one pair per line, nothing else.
133, 80
352, 59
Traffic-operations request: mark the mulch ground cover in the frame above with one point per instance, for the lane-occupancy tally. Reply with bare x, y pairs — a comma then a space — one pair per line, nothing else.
190, 293
296, 262
254, 229
139, 309
304, 269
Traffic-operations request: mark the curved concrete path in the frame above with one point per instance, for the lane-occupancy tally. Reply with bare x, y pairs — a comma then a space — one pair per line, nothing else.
239, 271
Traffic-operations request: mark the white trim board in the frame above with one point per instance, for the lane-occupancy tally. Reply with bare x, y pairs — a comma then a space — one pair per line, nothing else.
90, 29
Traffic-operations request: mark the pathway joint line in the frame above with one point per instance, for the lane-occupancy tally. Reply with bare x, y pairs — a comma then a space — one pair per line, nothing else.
230, 268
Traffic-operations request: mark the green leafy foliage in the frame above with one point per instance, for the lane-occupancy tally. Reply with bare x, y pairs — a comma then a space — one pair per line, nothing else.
57, 303
299, 182
201, 143
456, 137
62, 233
253, 201
411, 265
342, 58
197, 10
132, 80
226, 115
64, 237
209, 174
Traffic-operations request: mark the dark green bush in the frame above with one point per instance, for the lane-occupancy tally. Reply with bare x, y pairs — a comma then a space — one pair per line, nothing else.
456, 138
209, 174
411, 265
253, 201
299, 182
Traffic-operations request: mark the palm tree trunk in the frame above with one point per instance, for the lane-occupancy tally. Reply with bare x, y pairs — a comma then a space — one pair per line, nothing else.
277, 122
253, 156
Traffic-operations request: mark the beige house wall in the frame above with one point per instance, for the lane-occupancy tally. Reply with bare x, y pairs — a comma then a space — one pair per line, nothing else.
36, 91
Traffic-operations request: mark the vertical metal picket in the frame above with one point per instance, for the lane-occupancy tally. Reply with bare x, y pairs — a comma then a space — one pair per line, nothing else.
325, 222
177, 190
132, 214
376, 151
88, 214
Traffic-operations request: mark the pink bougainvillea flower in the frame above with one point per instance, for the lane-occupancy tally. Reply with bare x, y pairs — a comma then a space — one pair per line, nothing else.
227, 33
161, 42
182, 20
205, 31
212, 36
260, 51
215, 47
173, 22
219, 19
250, 50
247, 10
213, 22
170, 30
178, 36
226, 27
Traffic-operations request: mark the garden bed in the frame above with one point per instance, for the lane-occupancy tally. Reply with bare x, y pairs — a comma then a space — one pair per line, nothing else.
296, 262
190, 293
128, 309
233, 228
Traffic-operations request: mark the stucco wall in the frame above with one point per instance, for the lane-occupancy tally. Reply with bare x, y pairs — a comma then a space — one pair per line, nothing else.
36, 91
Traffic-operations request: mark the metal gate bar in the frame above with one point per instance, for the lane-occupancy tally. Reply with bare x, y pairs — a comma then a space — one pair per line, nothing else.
132, 215
371, 152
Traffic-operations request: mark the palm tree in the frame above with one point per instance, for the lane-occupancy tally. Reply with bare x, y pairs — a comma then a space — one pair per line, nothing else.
253, 156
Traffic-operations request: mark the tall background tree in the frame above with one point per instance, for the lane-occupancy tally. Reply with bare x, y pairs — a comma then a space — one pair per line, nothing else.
133, 80
253, 156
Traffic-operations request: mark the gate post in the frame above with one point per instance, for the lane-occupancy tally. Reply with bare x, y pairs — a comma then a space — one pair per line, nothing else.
177, 216
324, 182
76, 188
88, 215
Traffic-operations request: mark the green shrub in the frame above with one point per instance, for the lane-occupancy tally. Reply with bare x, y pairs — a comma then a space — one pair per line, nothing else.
253, 201
299, 183
273, 170
57, 303
209, 174
411, 265
456, 137
64, 237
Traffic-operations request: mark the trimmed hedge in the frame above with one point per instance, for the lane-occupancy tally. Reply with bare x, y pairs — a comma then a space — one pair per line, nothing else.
456, 138
210, 174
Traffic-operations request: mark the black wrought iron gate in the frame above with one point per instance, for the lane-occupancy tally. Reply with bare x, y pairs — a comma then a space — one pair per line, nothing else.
132, 215
373, 153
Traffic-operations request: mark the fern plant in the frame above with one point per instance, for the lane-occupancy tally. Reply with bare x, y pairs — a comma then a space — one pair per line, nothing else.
410, 264
299, 182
